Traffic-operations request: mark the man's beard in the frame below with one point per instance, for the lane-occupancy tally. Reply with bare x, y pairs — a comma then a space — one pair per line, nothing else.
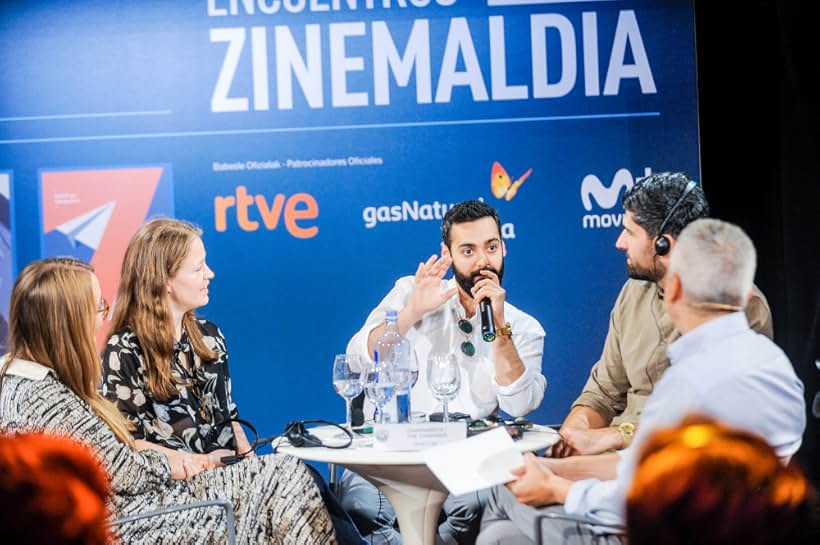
467, 281
651, 274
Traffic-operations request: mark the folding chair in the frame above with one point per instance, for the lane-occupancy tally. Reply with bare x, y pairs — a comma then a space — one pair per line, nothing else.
230, 521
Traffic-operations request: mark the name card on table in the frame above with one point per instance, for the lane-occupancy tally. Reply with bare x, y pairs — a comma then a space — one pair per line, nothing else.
417, 436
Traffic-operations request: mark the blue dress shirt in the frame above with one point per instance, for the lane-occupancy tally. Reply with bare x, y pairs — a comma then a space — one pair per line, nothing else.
723, 370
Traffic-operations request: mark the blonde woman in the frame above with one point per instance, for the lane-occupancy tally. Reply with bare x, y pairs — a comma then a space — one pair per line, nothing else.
49, 381
166, 370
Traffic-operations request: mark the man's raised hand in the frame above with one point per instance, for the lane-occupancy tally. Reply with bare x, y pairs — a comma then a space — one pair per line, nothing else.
427, 293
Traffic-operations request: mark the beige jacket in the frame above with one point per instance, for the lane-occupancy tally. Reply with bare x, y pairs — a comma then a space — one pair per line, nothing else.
634, 356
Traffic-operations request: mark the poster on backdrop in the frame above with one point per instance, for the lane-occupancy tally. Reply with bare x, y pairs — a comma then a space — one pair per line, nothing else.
319, 143
91, 214
6, 255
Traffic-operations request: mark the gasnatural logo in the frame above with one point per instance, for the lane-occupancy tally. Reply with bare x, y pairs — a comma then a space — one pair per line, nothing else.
415, 211
606, 197
501, 185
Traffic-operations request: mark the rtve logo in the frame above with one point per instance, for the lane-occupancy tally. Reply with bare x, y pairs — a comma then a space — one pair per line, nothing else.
296, 209
606, 197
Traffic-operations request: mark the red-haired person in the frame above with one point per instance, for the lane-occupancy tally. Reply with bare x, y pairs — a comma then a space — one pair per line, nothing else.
703, 482
52, 490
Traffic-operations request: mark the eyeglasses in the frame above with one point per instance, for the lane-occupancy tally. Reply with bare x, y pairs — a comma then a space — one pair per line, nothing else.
467, 347
489, 421
102, 307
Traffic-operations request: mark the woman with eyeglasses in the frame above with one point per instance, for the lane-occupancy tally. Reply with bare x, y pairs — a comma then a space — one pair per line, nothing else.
49, 382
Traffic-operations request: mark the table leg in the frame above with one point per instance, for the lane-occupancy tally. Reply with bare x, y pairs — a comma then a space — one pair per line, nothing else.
417, 510
333, 479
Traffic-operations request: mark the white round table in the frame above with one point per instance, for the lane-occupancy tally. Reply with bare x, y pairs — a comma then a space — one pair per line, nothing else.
415, 493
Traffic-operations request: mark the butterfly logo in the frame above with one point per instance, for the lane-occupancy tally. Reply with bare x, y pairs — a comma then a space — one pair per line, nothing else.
501, 185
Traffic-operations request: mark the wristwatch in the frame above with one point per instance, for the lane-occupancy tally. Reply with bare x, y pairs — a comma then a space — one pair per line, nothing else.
505, 330
627, 431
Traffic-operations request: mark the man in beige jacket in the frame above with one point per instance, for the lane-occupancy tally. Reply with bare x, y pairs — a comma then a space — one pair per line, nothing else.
606, 414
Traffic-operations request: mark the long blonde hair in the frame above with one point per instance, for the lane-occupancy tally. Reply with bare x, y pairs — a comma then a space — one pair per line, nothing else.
153, 257
52, 319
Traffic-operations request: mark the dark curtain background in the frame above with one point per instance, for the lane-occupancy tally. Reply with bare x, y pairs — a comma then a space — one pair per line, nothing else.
759, 101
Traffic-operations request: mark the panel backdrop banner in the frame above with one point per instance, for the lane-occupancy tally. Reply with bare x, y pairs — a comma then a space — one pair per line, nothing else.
319, 142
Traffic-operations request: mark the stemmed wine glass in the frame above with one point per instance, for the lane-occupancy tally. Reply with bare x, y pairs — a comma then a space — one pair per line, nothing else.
379, 386
348, 380
444, 379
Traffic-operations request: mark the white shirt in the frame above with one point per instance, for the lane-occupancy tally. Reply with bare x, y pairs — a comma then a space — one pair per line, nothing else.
438, 332
723, 370
25, 368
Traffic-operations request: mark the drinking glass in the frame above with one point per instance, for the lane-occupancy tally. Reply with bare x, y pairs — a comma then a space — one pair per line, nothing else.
379, 386
348, 380
444, 379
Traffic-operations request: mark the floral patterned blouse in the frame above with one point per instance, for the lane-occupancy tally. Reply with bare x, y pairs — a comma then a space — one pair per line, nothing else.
197, 418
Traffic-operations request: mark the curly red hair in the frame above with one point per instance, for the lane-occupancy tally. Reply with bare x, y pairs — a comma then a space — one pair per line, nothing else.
52, 490
703, 482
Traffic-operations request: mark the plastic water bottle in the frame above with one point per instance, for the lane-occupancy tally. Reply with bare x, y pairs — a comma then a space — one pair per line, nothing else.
395, 352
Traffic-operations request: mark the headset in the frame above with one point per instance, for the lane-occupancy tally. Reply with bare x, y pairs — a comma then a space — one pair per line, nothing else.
299, 435
662, 243
295, 432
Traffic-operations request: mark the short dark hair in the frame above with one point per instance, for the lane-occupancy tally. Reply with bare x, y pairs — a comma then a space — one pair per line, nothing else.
651, 199
467, 211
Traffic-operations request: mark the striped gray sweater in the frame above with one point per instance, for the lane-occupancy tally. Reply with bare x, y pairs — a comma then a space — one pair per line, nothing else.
274, 496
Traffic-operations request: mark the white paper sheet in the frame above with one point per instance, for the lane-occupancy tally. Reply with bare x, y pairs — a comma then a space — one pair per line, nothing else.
477, 462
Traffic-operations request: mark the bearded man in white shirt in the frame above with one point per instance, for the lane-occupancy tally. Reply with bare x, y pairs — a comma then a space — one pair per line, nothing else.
441, 316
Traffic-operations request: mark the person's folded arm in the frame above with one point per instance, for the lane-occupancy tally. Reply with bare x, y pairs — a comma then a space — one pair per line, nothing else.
576, 468
603, 397
605, 392
585, 431
524, 393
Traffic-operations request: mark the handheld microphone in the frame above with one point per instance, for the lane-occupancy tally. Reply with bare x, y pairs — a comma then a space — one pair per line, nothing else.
487, 322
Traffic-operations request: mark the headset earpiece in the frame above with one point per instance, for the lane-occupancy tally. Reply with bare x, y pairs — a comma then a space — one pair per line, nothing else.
298, 434
662, 245
662, 242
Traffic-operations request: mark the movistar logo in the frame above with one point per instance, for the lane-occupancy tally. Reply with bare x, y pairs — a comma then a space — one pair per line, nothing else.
605, 197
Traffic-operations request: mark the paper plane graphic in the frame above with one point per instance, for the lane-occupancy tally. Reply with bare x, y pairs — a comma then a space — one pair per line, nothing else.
80, 237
